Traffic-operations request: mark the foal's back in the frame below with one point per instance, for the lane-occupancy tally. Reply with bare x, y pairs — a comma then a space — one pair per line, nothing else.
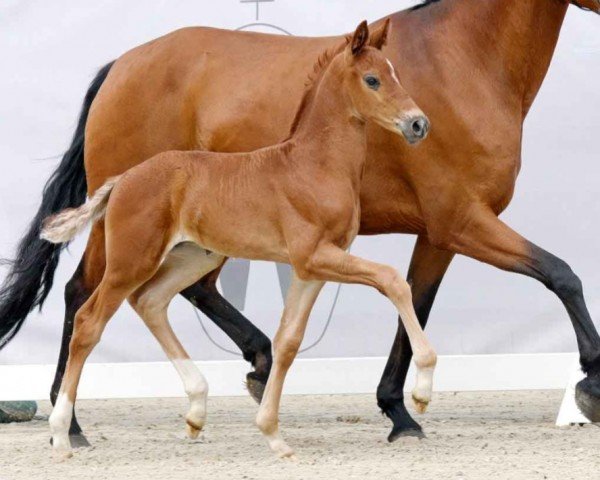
225, 202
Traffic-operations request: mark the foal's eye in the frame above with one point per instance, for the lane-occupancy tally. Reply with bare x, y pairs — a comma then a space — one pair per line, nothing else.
372, 82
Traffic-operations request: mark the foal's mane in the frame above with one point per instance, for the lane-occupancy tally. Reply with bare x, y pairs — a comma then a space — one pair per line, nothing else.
310, 87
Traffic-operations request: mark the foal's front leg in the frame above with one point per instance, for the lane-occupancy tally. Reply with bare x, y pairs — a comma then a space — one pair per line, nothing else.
298, 304
330, 263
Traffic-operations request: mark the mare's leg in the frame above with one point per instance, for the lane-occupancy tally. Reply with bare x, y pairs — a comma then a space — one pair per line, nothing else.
84, 281
254, 344
427, 268
298, 304
334, 264
485, 237
184, 265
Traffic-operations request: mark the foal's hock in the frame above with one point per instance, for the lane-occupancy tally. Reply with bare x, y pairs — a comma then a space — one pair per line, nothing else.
176, 217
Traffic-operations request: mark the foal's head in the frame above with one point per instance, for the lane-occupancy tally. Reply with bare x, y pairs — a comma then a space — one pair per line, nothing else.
374, 89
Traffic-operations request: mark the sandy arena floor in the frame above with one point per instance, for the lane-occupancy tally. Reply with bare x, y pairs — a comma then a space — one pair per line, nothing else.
506, 435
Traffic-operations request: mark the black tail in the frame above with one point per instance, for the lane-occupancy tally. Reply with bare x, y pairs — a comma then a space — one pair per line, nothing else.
32, 272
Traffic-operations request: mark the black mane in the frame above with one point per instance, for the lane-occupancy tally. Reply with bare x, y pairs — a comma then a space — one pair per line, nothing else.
425, 3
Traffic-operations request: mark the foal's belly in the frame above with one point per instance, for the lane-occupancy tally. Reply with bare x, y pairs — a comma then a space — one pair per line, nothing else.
239, 235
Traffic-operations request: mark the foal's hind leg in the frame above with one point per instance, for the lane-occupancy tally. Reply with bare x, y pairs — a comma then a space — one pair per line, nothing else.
184, 265
126, 270
298, 304
90, 321
85, 280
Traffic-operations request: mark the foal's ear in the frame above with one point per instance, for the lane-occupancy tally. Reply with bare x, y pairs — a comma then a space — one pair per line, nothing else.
360, 38
379, 37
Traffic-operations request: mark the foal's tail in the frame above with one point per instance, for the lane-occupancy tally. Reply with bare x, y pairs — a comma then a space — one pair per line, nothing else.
32, 272
63, 226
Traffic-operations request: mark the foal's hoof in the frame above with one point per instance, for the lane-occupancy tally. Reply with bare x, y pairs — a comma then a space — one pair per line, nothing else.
283, 450
421, 407
255, 384
587, 397
421, 404
61, 455
193, 430
400, 432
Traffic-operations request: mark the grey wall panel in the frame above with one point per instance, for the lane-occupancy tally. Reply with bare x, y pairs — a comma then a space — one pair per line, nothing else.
49, 52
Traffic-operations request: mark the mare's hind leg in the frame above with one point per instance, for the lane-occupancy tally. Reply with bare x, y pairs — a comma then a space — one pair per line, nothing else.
427, 268
185, 264
254, 344
298, 304
84, 281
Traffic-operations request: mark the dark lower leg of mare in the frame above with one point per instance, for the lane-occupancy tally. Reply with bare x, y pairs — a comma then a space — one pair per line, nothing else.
489, 240
75, 296
427, 268
560, 279
254, 344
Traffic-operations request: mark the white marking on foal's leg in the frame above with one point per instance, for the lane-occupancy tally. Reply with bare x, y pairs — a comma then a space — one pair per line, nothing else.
266, 420
421, 394
196, 388
60, 421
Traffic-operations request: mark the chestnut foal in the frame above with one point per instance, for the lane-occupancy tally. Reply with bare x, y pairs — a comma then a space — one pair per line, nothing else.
175, 217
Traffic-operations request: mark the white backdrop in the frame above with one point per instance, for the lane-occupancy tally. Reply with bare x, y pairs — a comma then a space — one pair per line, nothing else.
49, 52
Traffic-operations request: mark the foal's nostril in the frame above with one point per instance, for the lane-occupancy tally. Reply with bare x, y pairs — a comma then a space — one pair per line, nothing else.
420, 126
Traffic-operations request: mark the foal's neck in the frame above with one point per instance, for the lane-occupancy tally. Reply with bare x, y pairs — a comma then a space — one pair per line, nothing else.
329, 133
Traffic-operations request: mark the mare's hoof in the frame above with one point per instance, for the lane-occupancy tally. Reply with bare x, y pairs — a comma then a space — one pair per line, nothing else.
17, 411
398, 432
404, 424
255, 384
587, 397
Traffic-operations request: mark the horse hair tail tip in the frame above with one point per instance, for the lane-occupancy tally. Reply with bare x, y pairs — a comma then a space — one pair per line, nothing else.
65, 225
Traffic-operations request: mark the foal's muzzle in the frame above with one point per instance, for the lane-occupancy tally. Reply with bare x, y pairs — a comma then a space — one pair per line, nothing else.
414, 128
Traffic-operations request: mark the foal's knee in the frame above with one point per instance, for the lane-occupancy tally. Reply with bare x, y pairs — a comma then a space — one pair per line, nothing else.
86, 334
286, 349
393, 285
147, 305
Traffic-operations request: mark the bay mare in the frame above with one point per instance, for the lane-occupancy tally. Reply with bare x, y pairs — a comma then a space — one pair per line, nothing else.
474, 66
174, 218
